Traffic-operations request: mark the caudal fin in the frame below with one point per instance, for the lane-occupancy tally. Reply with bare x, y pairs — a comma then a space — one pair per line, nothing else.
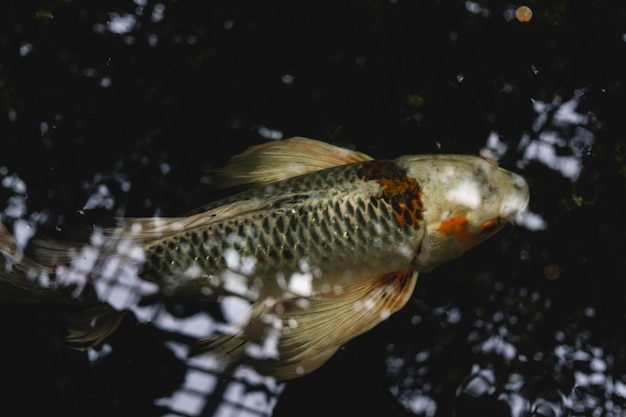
23, 280
19, 275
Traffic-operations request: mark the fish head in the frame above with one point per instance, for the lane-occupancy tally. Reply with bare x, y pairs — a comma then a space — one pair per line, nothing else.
466, 200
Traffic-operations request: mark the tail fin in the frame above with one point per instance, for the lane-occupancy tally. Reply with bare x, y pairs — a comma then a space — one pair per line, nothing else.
19, 275
23, 280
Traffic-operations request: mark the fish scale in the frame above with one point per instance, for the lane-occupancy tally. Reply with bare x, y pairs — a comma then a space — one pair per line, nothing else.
324, 228
330, 181
326, 244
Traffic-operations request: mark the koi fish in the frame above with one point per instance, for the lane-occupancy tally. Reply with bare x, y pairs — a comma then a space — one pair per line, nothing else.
324, 243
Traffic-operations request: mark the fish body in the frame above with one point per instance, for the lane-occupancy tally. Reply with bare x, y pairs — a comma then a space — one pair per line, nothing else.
324, 244
336, 223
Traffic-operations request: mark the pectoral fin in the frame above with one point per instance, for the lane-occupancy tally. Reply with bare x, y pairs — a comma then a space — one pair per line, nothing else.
288, 338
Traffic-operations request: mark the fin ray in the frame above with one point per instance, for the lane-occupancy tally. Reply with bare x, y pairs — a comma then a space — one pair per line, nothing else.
92, 326
279, 160
306, 332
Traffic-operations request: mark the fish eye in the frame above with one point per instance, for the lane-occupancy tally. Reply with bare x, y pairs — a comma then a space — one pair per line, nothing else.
489, 226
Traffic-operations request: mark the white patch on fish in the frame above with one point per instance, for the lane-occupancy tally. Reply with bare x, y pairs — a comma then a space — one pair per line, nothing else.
466, 193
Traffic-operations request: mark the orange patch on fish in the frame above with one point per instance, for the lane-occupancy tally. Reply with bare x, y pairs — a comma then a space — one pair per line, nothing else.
458, 227
400, 290
400, 191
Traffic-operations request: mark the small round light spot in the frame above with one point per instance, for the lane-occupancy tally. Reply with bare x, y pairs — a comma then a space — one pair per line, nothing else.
523, 14
551, 272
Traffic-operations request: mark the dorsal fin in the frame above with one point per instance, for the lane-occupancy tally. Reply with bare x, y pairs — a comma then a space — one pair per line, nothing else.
279, 160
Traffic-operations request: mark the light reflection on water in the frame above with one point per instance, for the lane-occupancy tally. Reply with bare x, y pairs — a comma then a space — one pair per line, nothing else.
577, 377
574, 376
581, 378
119, 285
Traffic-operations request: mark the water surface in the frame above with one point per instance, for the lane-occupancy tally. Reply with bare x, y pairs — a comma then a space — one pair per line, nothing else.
112, 108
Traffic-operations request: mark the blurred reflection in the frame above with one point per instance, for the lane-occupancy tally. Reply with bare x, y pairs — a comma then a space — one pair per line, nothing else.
581, 379
205, 391
561, 138
559, 142
121, 23
508, 373
315, 260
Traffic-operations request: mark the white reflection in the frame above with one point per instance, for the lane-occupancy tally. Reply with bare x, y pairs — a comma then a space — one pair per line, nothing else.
495, 146
14, 183
25, 49
196, 326
620, 388
201, 382
544, 150
100, 198
121, 23
233, 308
531, 221
16, 208
500, 346
23, 230
597, 383
561, 140
517, 403
105, 82
421, 405
509, 14
301, 284
475, 8
268, 133
480, 382
158, 13
94, 355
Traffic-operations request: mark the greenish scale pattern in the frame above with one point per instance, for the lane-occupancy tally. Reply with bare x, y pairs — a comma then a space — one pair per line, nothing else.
328, 217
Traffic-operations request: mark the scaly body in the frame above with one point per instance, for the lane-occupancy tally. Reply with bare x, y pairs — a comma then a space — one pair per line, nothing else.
325, 244
335, 223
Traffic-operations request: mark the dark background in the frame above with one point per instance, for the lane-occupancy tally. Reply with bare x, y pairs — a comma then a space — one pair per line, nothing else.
149, 111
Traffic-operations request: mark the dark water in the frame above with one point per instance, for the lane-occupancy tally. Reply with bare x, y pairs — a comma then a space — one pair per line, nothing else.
123, 107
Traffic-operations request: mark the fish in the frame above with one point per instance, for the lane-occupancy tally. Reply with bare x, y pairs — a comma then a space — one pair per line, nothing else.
321, 244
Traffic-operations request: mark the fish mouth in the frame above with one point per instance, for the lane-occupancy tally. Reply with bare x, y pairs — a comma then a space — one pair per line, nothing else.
516, 201
512, 207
